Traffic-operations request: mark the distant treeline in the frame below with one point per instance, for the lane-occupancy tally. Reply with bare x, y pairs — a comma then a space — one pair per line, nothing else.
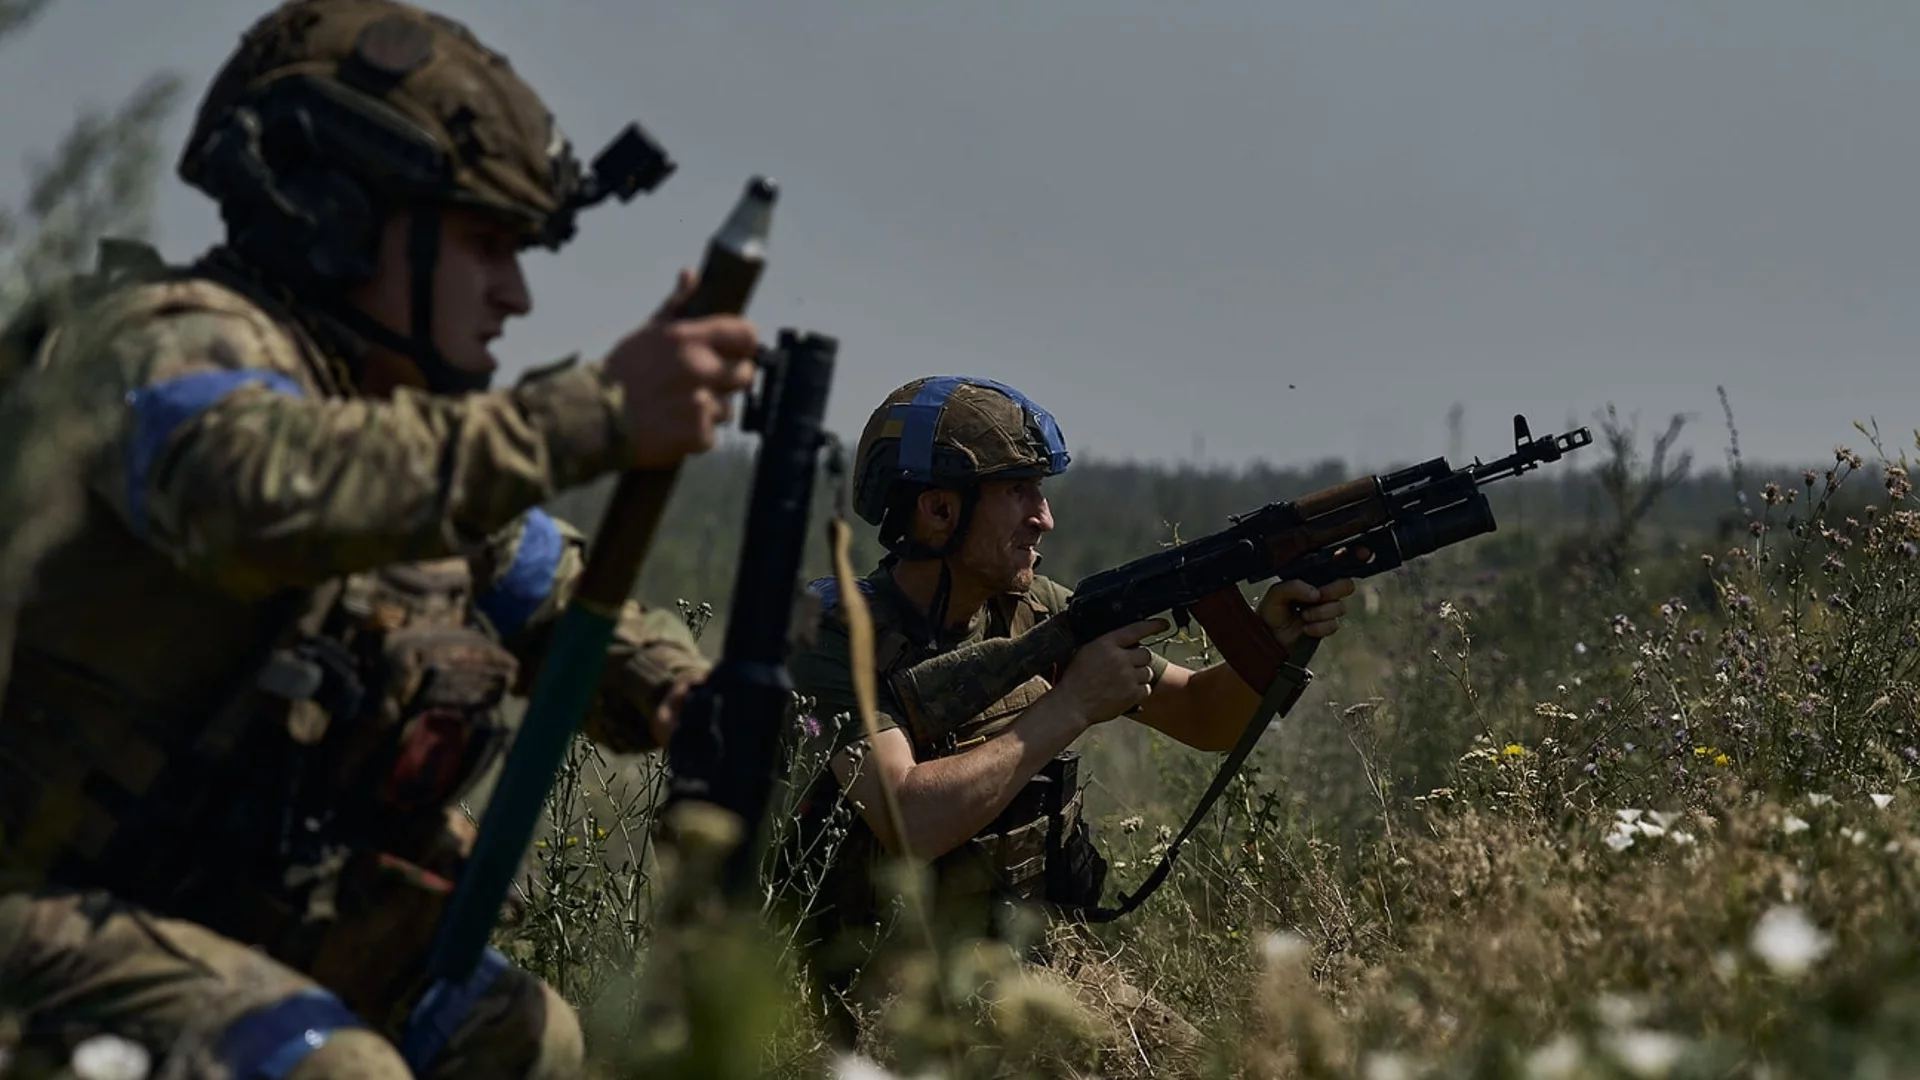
1107, 513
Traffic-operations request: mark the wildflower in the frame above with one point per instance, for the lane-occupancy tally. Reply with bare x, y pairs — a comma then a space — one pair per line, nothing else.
1786, 941
1131, 824
1881, 801
858, 1067
1683, 839
1793, 825
1629, 816
811, 725
1664, 818
1620, 839
1385, 1065
1558, 1060
1819, 800
1579, 648
1619, 1010
1514, 750
1643, 1052
1770, 494
1648, 828
111, 1057
1722, 760
1281, 948
1857, 836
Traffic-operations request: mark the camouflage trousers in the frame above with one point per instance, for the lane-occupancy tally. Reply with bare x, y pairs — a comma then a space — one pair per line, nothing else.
78, 964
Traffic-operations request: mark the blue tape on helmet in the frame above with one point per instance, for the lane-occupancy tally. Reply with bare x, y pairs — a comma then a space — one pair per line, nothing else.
921, 420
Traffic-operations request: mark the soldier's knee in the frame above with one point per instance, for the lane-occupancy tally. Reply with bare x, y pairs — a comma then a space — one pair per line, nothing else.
562, 1045
307, 1036
351, 1055
518, 1026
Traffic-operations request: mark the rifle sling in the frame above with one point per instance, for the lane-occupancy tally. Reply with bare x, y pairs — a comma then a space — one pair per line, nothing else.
1282, 693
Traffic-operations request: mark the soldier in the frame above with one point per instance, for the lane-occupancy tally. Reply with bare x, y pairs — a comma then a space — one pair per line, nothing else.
248, 693
951, 472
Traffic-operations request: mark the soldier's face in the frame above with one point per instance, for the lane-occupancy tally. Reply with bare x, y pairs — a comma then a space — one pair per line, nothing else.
1000, 550
477, 285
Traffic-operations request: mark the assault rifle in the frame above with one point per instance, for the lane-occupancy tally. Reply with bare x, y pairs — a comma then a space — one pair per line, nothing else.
1357, 529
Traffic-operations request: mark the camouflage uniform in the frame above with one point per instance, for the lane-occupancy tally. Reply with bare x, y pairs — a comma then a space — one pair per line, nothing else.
247, 696
1038, 853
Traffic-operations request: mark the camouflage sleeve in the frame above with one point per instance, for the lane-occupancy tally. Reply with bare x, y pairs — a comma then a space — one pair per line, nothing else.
823, 671
525, 575
229, 461
1053, 596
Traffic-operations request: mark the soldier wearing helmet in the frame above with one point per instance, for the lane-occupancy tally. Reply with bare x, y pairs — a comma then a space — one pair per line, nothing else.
951, 470
250, 689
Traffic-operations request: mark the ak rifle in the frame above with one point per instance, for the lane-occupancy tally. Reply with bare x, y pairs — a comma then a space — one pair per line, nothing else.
1357, 529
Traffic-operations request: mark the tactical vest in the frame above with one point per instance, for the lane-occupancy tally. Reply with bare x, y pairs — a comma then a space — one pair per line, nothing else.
310, 811
1037, 851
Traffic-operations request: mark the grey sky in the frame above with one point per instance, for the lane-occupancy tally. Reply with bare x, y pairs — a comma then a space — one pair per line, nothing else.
1303, 230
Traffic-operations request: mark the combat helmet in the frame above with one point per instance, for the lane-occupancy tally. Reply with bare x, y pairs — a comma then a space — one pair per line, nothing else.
948, 432
333, 113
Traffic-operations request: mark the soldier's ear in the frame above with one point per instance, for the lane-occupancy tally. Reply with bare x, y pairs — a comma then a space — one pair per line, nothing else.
938, 512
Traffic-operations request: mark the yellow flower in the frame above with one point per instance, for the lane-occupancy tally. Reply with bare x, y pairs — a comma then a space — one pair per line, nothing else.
572, 840
1701, 751
1722, 760
540, 843
1514, 749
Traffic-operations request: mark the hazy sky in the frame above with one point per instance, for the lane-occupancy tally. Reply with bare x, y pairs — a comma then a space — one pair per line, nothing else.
1290, 230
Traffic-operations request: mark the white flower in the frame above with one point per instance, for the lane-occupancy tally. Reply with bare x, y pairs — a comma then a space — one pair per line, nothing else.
1786, 941
1628, 816
1579, 648
1881, 801
1384, 1065
1282, 948
111, 1057
1858, 836
1648, 828
1619, 1010
1664, 818
1684, 839
858, 1067
1558, 1060
1646, 1053
1620, 839
1726, 963
1819, 800
1793, 825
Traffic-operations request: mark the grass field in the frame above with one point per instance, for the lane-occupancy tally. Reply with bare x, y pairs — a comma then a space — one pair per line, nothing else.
1597, 802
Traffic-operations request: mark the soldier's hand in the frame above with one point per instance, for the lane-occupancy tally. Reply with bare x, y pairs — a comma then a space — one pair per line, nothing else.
666, 716
1295, 609
679, 375
1109, 674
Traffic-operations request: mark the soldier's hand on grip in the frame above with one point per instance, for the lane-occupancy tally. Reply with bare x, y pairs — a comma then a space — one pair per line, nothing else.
1294, 609
679, 375
1109, 674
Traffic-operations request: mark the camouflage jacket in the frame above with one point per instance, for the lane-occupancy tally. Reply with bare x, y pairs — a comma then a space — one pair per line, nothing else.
245, 470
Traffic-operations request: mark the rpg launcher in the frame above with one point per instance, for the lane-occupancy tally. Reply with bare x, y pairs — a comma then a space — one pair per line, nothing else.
726, 748
1354, 530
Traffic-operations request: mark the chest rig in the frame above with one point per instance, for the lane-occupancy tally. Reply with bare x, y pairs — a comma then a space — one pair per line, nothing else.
1038, 850
310, 808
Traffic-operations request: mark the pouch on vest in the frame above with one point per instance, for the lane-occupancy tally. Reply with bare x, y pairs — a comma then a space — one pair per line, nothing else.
399, 699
